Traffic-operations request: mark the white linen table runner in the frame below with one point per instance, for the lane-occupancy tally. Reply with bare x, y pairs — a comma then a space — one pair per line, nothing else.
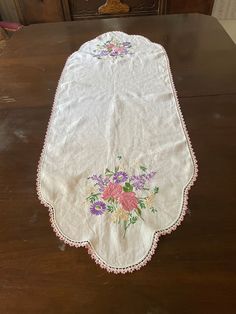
117, 162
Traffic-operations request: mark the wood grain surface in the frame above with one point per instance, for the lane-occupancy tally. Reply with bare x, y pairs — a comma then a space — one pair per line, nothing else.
186, 6
193, 270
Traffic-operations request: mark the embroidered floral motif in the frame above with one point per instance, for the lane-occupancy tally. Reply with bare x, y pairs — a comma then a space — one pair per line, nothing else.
112, 48
115, 194
98, 208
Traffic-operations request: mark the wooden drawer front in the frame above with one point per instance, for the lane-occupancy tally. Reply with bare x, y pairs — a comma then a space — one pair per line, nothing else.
89, 9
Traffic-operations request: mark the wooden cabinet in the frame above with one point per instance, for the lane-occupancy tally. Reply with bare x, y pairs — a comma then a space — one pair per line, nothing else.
89, 9
189, 6
39, 11
35, 11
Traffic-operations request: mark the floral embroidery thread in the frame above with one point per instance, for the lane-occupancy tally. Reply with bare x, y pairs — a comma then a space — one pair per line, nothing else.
116, 194
112, 48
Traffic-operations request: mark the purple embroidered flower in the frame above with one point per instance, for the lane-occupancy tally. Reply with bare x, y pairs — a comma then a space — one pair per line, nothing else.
114, 53
127, 44
98, 208
104, 53
100, 181
150, 175
139, 181
120, 176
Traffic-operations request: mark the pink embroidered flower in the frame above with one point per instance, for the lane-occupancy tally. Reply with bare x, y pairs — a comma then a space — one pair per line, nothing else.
112, 190
110, 46
119, 49
128, 201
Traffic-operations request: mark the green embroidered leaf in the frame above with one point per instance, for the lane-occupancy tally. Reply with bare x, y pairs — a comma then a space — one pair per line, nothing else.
116, 169
156, 190
133, 219
109, 175
142, 204
126, 226
143, 168
93, 197
139, 213
128, 187
153, 210
110, 208
108, 172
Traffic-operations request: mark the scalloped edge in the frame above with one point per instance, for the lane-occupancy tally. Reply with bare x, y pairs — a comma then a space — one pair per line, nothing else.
157, 234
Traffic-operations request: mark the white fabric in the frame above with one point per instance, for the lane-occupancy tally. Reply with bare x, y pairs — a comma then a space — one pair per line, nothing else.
115, 106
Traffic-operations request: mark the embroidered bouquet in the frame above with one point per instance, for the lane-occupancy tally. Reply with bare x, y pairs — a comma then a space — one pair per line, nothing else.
116, 194
112, 48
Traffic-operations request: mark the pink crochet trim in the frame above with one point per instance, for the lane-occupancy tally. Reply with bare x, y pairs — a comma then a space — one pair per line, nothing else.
157, 234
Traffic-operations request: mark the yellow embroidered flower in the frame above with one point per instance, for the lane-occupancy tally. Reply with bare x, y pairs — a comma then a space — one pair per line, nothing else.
120, 214
150, 200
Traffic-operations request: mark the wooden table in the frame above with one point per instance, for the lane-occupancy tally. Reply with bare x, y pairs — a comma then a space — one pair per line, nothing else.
193, 270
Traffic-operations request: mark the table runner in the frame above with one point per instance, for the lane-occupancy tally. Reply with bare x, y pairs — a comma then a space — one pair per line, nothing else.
117, 162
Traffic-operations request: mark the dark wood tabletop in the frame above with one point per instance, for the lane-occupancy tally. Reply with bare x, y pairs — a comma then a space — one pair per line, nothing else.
193, 270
